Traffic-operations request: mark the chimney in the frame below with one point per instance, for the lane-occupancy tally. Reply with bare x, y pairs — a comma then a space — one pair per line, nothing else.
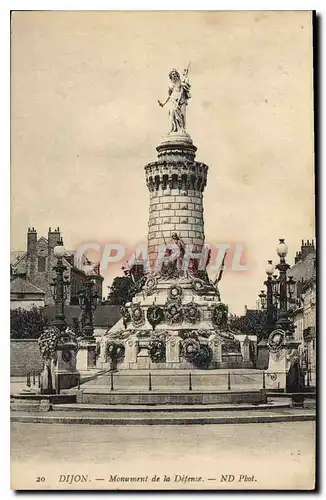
31, 252
31, 240
53, 237
307, 248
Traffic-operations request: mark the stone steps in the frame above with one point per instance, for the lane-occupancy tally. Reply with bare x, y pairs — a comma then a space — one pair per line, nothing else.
166, 418
168, 408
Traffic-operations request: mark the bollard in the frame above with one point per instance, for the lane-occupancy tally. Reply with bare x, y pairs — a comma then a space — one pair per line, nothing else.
28, 382
229, 381
78, 385
39, 380
264, 381
111, 378
190, 382
149, 381
308, 378
33, 377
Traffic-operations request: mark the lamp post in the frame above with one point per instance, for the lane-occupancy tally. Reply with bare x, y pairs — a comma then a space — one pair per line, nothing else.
270, 308
284, 290
59, 288
262, 300
88, 299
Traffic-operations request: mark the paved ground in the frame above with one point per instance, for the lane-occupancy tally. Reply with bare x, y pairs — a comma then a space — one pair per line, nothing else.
276, 454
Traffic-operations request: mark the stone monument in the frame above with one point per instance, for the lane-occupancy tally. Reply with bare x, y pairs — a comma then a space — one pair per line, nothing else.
177, 320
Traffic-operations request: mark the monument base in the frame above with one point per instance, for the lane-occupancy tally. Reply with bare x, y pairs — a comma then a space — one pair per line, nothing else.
279, 364
262, 355
86, 355
66, 374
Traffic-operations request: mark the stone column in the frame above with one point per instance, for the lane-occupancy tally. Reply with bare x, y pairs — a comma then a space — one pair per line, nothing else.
176, 183
245, 349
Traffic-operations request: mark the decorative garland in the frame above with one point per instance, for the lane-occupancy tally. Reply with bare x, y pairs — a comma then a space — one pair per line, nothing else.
174, 312
137, 315
155, 315
114, 350
192, 312
49, 339
48, 342
156, 350
188, 334
224, 335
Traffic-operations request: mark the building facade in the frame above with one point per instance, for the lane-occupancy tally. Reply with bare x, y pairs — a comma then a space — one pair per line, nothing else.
37, 263
304, 307
23, 294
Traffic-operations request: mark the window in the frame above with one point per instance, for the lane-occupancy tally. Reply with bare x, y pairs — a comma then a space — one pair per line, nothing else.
41, 264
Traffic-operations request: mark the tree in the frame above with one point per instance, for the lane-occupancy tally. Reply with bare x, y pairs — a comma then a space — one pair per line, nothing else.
122, 290
252, 322
27, 324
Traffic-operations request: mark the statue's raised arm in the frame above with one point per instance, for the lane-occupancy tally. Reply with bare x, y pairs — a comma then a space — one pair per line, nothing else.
179, 94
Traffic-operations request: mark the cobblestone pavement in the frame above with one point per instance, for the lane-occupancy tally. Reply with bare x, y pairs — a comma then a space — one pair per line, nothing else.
46, 442
267, 450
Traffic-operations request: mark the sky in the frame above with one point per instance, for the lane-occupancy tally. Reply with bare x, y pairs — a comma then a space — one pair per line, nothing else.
85, 121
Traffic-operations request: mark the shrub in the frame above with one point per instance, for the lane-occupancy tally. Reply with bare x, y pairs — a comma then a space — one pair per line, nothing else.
27, 324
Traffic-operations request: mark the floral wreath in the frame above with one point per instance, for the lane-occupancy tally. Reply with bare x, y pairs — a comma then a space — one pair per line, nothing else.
174, 312
168, 270
175, 292
150, 285
219, 314
276, 340
137, 315
204, 357
190, 349
155, 315
192, 312
156, 350
198, 286
114, 350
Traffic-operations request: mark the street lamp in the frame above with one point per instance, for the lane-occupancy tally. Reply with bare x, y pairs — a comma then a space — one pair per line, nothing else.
262, 297
59, 287
88, 300
270, 307
283, 289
